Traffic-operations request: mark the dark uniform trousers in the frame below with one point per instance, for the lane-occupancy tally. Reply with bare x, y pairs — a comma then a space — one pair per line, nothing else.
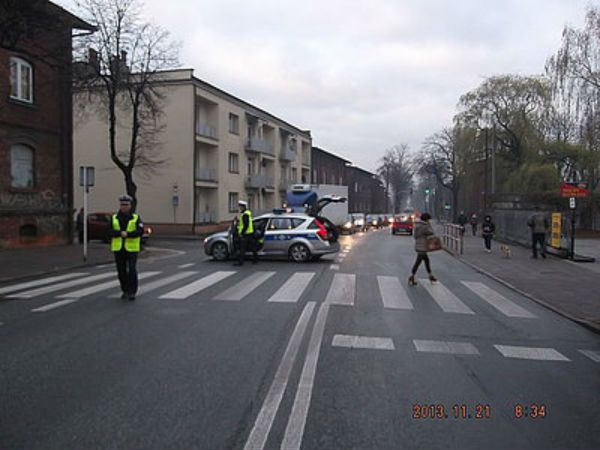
247, 243
127, 270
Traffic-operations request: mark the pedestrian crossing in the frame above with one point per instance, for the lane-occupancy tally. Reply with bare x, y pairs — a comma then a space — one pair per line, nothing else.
455, 297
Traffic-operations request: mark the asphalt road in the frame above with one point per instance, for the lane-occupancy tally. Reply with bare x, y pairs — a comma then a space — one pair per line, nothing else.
339, 353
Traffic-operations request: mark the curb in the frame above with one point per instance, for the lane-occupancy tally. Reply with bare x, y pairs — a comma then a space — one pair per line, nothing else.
75, 267
57, 270
589, 325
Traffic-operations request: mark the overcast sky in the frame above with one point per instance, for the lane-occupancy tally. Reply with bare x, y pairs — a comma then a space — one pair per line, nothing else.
362, 75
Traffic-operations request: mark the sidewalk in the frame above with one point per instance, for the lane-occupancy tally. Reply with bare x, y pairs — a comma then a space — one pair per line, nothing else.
21, 263
571, 289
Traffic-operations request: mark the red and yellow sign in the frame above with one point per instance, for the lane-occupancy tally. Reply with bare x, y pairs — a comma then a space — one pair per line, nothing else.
578, 190
556, 230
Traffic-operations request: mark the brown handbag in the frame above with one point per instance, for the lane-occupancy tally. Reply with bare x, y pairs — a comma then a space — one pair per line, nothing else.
434, 243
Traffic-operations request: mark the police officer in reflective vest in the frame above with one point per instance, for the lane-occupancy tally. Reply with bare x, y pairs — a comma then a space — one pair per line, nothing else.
126, 233
245, 234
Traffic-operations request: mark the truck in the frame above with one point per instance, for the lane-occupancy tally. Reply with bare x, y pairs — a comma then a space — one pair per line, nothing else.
326, 200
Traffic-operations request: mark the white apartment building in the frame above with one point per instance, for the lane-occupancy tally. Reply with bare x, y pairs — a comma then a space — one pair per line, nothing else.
218, 149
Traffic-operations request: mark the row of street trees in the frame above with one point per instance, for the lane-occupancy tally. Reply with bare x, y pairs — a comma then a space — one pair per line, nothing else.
538, 129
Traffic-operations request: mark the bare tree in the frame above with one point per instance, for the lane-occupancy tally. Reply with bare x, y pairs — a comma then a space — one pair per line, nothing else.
396, 172
122, 80
446, 155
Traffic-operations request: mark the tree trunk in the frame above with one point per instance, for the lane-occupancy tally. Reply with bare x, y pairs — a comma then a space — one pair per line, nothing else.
131, 187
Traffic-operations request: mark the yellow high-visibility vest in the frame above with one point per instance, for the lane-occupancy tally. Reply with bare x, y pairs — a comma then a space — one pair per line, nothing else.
132, 244
250, 229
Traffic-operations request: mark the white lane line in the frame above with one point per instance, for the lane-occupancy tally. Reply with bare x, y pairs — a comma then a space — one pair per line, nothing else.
334, 267
342, 255
54, 305
262, 426
101, 287
294, 430
392, 293
240, 290
293, 288
144, 289
592, 354
366, 342
537, 353
456, 348
102, 266
444, 298
498, 301
183, 266
342, 289
63, 285
41, 282
197, 286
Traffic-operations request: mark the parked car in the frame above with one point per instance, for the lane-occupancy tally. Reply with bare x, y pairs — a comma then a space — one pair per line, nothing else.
373, 221
99, 224
348, 227
359, 221
298, 236
404, 223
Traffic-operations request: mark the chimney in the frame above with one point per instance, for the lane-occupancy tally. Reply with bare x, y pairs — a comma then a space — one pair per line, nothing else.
93, 58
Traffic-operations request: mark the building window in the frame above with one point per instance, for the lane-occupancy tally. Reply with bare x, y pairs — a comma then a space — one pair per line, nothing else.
21, 166
234, 123
21, 80
294, 174
315, 177
233, 201
234, 163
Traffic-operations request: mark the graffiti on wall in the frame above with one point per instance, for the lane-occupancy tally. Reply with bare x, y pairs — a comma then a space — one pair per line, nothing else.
46, 199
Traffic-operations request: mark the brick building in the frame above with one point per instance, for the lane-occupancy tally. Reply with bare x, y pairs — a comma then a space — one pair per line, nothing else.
327, 168
366, 193
36, 123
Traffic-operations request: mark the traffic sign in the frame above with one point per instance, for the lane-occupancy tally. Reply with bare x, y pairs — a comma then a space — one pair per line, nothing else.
572, 202
574, 189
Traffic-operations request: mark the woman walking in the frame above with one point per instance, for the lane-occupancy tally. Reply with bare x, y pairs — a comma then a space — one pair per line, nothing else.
422, 232
487, 231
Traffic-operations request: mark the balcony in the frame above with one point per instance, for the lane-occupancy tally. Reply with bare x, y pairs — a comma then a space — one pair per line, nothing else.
206, 174
206, 217
285, 183
287, 154
259, 182
260, 146
206, 131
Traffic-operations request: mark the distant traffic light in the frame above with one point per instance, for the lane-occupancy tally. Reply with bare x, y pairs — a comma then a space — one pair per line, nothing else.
427, 190
410, 191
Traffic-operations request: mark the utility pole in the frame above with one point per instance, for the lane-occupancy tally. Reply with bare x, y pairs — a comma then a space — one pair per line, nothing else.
86, 180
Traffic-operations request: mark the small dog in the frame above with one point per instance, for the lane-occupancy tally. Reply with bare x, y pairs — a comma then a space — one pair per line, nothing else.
506, 251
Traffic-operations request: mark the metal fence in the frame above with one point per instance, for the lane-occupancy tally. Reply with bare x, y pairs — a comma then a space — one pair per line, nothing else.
452, 238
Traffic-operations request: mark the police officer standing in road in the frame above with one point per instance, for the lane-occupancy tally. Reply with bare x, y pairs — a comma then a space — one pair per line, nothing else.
126, 233
245, 234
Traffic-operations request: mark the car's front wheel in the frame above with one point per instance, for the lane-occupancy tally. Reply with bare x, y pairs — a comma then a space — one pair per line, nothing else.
299, 253
219, 251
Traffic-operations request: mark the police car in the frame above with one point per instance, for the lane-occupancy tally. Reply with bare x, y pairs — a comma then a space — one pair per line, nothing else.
299, 236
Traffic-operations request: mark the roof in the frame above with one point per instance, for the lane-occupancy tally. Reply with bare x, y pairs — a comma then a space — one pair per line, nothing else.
255, 110
364, 171
75, 21
319, 149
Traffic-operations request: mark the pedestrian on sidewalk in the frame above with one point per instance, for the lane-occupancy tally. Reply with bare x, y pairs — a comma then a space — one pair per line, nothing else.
474, 222
126, 233
487, 231
538, 223
245, 234
79, 225
462, 221
422, 231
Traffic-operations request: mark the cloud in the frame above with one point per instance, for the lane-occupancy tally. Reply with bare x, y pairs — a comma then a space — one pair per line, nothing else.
362, 76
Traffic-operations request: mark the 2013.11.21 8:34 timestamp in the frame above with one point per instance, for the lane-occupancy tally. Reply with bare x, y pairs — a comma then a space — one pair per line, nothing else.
456, 411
